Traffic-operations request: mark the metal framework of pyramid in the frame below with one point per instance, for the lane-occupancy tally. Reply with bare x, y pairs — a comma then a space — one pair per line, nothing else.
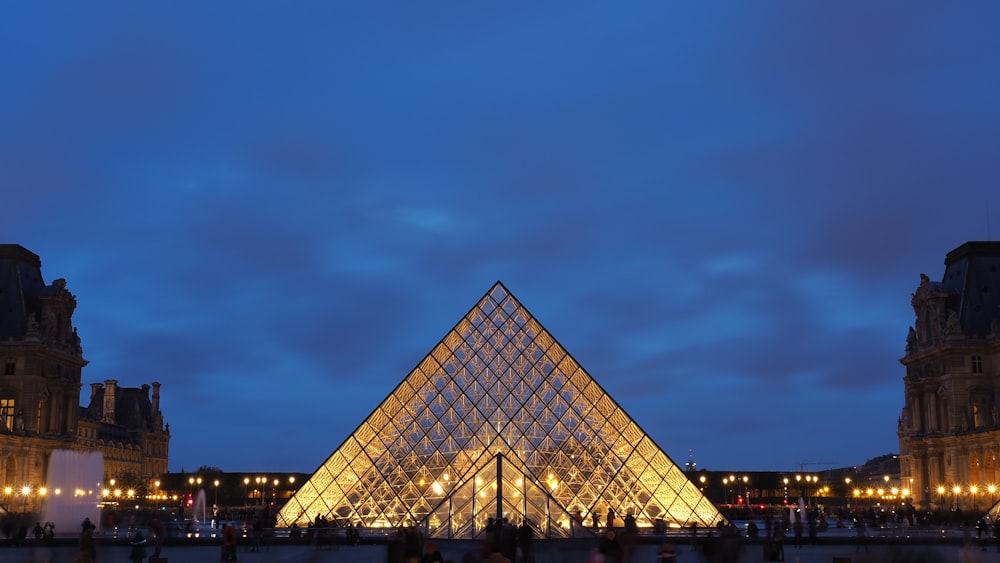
498, 421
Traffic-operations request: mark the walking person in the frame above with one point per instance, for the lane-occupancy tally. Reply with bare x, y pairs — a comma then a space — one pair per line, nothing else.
228, 543
778, 537
610, 548
996, 533
258, 533
859, 529
88, 551
49, 533
138, 552
156, 527
524, 541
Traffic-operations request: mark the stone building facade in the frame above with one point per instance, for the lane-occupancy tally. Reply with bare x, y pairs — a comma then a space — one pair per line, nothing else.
41, 359
949, 429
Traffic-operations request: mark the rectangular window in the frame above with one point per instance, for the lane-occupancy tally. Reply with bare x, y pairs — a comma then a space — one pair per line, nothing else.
977, 364
7, 414
9, 366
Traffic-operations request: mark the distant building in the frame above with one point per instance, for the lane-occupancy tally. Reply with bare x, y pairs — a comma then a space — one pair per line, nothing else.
42, 361
949, 429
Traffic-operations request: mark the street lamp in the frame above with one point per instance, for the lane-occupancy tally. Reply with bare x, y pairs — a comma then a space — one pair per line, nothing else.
260, 481
957, 489
992, 489
974, 490
25, 492
940, 492
746, 490
216, 483
246, 494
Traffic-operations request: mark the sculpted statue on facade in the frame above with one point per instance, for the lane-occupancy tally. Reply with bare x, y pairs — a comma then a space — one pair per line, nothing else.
953, 327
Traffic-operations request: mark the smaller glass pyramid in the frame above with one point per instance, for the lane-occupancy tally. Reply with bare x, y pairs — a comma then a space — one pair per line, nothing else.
498, 422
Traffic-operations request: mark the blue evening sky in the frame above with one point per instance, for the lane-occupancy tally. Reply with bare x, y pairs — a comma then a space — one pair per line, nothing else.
276, 209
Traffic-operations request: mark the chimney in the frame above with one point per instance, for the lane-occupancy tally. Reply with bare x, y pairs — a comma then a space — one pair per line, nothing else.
94, 388
109, 401
156, 397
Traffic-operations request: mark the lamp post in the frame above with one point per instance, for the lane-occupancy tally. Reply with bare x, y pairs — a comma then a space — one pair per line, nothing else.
975, 502
25, 492
246, 491
957, 489
992, 489
260, 482
940, 492
746, 490
725, 490
216, 483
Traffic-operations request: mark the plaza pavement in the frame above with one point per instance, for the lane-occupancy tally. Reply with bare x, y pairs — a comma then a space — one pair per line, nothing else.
546, 552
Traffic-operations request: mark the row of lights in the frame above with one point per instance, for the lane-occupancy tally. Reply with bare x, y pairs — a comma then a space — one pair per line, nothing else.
972, 490
117, 492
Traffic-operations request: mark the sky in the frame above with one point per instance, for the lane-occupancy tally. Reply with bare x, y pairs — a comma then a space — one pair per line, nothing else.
720, 209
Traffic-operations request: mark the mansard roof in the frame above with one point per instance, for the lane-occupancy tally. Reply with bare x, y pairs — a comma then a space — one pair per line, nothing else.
973, 271
133, 412
20, 281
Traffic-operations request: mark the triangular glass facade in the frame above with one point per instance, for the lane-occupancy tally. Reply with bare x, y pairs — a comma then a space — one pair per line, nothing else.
498, 421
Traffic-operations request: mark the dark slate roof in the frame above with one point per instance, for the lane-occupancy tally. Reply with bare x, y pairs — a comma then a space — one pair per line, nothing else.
133, 412
20, 282
973, 271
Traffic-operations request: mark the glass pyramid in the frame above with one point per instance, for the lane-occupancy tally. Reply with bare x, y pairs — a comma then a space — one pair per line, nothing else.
498, 421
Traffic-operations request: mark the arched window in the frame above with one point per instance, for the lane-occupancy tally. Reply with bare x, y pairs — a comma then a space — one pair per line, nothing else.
975, 468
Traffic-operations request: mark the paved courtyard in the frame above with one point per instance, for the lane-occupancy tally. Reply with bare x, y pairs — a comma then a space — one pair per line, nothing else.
547, 552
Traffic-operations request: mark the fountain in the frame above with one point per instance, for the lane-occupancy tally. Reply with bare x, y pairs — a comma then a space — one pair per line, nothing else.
198, 509
74, 489
198, 524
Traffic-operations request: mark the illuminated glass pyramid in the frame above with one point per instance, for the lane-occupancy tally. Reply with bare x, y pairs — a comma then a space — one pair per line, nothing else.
498, 421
